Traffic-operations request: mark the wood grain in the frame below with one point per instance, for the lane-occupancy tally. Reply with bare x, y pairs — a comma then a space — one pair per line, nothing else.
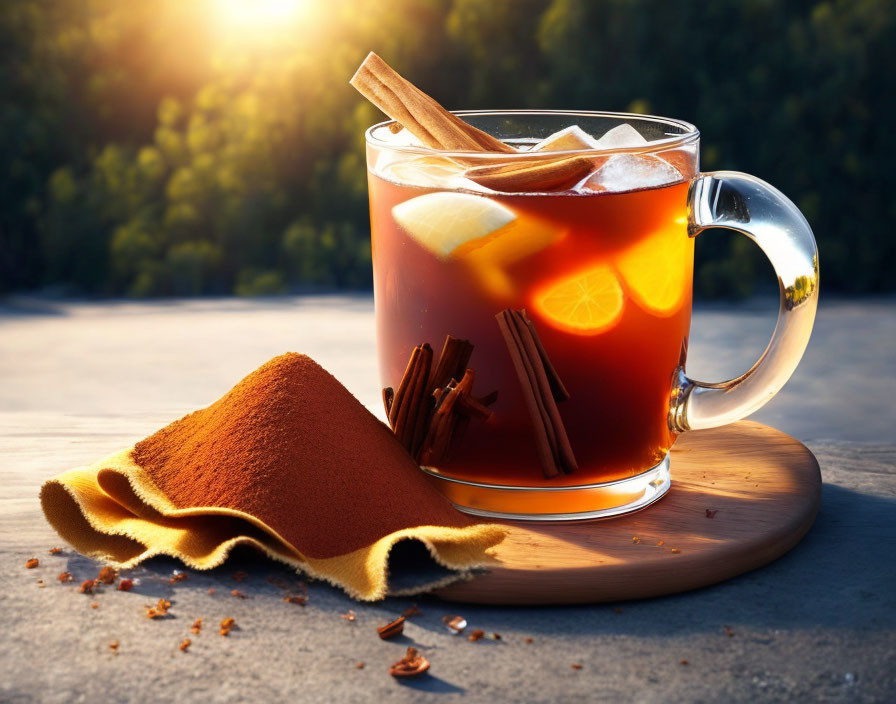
764, 486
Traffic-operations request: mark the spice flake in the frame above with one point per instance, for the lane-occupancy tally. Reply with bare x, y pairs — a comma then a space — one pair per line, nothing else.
391, 630
32, 563
455, 624
227, 625
107, 575
160, 610
411, 665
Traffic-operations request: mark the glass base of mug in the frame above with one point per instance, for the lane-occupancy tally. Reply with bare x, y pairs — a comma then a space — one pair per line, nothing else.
566, 503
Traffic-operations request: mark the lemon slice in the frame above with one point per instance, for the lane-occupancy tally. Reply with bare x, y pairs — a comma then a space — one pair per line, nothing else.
490, 257
657, 270
446, 222
588, 302
426, 172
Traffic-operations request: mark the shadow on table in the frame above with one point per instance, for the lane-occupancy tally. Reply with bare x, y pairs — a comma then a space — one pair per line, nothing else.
841, 575
432, 684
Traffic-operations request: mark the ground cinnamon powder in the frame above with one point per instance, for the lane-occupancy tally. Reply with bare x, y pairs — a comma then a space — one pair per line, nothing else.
290, 445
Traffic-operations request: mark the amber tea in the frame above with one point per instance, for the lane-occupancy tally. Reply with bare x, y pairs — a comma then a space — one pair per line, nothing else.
596, 271
532, 281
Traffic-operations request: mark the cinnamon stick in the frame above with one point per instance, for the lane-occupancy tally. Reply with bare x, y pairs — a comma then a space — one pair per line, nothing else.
558, 390
437, 128
402, 390
532, 175
453, 361
527, 335
417, 398
535, 373
409, 400
422, 423
430, 411
543, 431
420, 114
473, 407
444, 420
388, 397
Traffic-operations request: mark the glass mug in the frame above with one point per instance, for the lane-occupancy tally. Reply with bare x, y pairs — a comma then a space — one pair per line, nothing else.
593, 285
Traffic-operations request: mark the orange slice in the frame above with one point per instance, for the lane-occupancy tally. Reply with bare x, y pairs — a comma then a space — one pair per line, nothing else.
657, 270
587, 303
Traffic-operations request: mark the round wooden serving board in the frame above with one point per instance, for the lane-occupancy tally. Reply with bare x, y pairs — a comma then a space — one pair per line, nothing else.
763, 485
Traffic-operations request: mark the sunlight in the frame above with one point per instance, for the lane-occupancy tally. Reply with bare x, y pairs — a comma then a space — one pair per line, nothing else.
257, 14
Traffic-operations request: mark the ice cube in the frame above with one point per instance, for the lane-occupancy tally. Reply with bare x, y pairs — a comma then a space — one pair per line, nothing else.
573, 137
628, 172
621, 136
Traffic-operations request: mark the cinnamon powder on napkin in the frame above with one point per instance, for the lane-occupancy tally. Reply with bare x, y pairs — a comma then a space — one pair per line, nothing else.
291, 446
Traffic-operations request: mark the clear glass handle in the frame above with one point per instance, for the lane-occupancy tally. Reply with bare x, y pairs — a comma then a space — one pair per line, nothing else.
740, 202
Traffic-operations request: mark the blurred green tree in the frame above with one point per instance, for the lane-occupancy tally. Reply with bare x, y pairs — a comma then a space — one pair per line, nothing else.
148, 151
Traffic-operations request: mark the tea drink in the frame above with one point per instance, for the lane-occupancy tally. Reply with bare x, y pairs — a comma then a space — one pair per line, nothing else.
603, 270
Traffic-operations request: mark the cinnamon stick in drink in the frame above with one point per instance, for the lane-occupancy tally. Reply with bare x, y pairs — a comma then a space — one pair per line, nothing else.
542, 388
428, 413
420, 114
535, 175
437, 128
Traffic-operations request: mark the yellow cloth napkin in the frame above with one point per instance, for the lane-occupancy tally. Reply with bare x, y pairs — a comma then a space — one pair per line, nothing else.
112, 511
116, 510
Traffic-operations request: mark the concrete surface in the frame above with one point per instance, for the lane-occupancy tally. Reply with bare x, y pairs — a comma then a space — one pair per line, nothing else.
78, 380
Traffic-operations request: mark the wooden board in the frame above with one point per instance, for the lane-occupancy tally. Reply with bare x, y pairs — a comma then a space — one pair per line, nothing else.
764, 486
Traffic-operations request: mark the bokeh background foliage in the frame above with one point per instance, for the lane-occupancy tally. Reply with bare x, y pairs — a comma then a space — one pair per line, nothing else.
165, 147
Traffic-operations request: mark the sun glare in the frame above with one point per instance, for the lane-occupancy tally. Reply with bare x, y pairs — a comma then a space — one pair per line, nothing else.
257, 14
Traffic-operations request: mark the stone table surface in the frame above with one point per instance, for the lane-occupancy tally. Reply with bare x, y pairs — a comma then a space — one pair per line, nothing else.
79, 380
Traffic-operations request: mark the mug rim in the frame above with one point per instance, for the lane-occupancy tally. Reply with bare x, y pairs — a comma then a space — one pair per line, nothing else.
689, 135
